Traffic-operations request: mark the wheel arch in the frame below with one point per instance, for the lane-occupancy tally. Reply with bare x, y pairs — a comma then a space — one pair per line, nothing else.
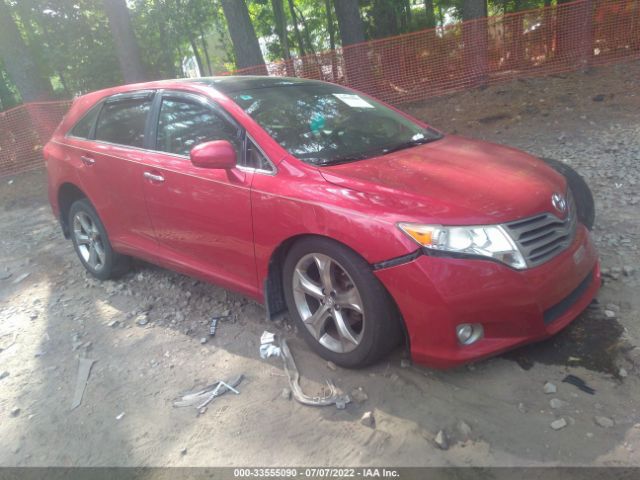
68, 193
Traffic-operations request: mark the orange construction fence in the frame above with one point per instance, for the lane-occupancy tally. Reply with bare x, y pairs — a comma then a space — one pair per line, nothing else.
415, 66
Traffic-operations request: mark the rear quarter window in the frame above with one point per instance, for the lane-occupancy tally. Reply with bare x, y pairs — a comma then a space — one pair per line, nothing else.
123, 121
84, 127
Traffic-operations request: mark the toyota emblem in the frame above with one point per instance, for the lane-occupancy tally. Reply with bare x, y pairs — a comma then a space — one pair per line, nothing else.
559, 202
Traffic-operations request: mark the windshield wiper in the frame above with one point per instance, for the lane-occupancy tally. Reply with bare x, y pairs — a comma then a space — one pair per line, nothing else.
409, 144
378, 152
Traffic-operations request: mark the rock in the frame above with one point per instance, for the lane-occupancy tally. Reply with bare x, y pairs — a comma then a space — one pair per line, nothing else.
142, 319
609, 314
4, 374
286, 393
549, 388
183, 451
464, 429
331, 366
623, 373
15, 412
359, 395
203, 340
404, 363
598, 98
604, 422
113, 323
628, 270
557, 403
368, 420
559, 424
441, 440
522, 408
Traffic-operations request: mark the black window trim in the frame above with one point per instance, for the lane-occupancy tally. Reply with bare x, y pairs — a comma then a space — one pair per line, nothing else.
92, 131
151, 133
123, 97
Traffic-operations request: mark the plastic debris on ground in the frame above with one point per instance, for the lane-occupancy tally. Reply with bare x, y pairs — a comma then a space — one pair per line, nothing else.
268, 348
201, 398
84, 369
216, 320
578, 382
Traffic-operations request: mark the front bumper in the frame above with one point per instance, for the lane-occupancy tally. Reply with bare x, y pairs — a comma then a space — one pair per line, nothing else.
515, 307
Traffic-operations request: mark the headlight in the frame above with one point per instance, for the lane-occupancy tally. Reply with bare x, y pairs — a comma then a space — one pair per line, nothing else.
485, 240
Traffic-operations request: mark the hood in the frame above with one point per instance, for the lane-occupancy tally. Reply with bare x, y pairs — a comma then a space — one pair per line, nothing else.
454, 180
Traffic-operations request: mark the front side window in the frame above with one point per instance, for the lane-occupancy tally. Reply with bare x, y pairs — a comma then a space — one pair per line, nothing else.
325, 124
184, 124
123, 122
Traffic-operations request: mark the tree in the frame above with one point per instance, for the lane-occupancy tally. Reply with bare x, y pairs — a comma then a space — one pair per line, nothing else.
243, 36
124, 40
349, 21
19, 62
429, 14
475, 39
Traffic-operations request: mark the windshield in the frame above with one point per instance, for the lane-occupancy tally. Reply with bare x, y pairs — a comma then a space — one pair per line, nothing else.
324, 124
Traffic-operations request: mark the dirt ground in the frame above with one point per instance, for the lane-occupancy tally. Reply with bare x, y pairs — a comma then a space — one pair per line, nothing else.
57, 314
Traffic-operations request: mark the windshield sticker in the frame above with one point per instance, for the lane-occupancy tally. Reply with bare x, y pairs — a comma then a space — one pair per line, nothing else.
355, 101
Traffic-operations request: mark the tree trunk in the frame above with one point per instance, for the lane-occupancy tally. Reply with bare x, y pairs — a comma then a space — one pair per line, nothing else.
196, 53
243, 36
124, 40
206, 51
281, 30
349, 21
301, 50
168, 53
429, 14
19, 62
332, 40
357, 65
475, 40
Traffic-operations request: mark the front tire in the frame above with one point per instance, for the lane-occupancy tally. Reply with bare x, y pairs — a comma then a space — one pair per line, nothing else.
91, 242
343, 311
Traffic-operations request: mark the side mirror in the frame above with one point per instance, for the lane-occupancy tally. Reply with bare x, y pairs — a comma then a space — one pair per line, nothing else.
217, 154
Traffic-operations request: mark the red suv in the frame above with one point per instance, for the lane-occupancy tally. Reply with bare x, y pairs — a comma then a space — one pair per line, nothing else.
362, 222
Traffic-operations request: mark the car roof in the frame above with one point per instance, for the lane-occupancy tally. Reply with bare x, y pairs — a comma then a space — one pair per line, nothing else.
236, 83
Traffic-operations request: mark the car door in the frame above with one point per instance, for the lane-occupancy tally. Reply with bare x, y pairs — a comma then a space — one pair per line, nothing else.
112, 169
202, 217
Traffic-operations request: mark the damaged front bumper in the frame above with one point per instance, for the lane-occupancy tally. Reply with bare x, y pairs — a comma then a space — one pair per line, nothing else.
514, 307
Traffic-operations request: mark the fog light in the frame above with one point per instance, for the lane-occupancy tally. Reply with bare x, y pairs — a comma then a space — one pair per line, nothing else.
469, 333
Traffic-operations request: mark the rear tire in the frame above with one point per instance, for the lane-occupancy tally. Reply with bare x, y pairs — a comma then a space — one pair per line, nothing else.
343, 311
91, 242
580, 190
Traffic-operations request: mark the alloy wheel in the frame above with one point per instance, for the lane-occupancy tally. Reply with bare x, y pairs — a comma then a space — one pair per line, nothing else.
328, 302
89, 241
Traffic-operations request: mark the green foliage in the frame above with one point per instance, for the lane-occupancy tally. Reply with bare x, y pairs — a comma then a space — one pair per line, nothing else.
72, 44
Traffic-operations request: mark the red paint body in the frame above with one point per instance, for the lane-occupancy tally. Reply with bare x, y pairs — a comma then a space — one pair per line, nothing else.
223, 226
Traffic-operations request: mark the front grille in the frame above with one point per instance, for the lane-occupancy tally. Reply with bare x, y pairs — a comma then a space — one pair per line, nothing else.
542, 237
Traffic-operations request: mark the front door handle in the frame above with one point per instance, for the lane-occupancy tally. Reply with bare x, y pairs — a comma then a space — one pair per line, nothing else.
87, 160
154, 177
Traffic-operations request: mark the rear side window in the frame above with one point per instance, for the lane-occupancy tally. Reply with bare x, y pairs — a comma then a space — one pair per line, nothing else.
183, 124
83, 128
123, 121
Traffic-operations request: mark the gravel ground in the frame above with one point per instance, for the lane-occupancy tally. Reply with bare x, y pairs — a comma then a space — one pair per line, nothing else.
148, 335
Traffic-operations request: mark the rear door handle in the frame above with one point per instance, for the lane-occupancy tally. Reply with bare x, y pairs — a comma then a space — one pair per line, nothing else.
87, 160
154, 177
